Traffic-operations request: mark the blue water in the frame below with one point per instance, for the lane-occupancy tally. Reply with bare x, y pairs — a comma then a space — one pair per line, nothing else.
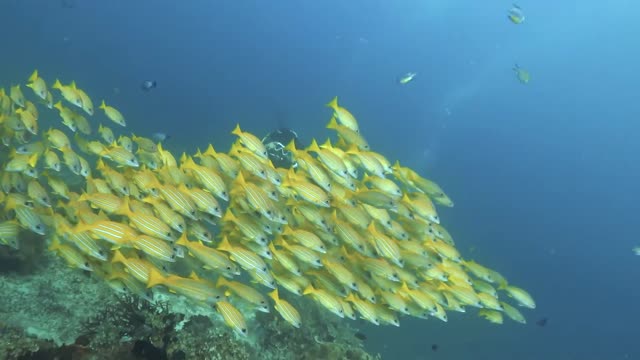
544, 175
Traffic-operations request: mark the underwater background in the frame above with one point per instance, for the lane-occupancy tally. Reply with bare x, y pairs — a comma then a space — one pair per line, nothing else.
544, 175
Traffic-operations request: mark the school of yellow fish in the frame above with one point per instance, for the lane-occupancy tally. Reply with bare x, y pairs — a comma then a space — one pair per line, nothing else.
344, 227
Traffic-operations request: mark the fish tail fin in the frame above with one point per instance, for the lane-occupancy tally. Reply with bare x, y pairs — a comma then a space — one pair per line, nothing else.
291, 147
240, 179
33, 159
118, 257
274, 295
55, 244
503, 284
34, 76
314, 146
225, 245
333, 103
287, 230
103, 106
309, 290
210, 151
228, 216
124, 208
221, 282
155, 278
333, 124
100, 165
237, 130
182, 241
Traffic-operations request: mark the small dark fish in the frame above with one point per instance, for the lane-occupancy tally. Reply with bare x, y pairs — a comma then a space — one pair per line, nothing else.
160, 137
360, 336
434, 347
147, 85
542, 322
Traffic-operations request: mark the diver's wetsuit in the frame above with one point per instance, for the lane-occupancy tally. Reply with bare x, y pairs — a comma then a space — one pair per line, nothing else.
276, 141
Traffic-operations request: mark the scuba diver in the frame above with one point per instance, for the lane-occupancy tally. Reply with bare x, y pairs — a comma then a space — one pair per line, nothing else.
276, 142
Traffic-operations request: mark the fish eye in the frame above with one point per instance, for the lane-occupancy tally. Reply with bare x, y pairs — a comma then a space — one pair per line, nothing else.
218, 297
268, 212
100, 252
262, 172
86, 264
229, 268
244, 331
264, 269
216, 209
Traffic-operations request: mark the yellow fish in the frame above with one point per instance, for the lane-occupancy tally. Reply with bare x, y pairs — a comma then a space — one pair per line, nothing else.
87, 104
329, 301
210, 257
247, 259
343, 115
492, 316
67, 116
15, 93
73, 257
407, 78
521, 296
245, 292
251, 142
349, 135
120, 156
306, 190
68, 93
113, 114
523, 75
516, 15
192, 287
29, 120
286, 310
37, 84
232, 317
